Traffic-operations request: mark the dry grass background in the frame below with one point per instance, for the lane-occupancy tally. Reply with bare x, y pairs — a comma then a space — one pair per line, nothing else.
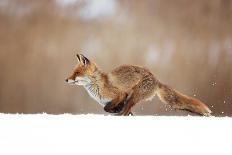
186, 44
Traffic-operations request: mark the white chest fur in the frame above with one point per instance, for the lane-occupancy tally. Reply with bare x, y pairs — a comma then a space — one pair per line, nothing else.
94, 93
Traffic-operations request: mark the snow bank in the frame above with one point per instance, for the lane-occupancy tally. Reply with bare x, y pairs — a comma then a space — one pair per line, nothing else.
97, 134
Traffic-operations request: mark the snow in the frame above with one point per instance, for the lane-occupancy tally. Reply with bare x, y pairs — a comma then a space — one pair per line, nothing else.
98, 134
214, 83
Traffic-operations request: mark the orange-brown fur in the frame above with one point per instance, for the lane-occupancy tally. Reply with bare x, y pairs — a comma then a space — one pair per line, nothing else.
128, 85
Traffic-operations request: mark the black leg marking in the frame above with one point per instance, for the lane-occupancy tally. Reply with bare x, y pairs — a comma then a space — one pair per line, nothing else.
111, 108
117, 108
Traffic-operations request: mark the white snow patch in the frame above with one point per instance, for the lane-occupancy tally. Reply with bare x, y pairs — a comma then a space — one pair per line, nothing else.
98, 134
214, 83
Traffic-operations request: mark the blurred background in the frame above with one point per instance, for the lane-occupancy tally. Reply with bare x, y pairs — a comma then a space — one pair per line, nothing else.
186, 44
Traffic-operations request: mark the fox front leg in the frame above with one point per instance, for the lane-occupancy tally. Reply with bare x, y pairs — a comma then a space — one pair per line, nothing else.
111, 107
118, 106
128, 103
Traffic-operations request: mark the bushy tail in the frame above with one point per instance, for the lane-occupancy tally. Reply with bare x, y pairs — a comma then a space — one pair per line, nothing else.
177, 100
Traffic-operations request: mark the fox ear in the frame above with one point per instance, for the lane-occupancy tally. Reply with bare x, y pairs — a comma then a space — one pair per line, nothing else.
82, 59
78, 58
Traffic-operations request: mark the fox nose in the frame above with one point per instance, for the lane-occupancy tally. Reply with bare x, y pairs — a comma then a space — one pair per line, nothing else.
66, 80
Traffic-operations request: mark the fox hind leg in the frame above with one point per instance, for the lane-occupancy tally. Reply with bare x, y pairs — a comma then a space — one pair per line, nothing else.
127, 108
142, 91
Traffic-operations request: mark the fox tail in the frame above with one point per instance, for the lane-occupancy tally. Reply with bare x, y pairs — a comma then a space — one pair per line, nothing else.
180, 101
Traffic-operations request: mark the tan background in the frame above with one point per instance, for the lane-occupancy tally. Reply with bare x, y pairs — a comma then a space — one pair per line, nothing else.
186, 44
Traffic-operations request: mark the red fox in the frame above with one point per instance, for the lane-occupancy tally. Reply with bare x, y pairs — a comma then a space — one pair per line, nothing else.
119, 90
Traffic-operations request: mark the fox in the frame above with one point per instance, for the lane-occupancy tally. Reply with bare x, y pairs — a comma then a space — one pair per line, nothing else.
125, 86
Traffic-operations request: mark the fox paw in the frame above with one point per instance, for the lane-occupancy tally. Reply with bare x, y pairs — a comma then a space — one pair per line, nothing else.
114, 109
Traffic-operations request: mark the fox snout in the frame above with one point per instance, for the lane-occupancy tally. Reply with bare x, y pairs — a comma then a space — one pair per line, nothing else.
81, 81
70, 80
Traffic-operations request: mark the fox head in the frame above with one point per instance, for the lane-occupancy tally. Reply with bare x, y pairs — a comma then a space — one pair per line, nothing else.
82, 72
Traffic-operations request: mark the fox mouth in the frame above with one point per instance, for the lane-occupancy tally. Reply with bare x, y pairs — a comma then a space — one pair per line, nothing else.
71, 81
78, 81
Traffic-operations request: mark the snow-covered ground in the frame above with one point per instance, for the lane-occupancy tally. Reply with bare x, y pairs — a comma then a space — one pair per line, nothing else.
97, 134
